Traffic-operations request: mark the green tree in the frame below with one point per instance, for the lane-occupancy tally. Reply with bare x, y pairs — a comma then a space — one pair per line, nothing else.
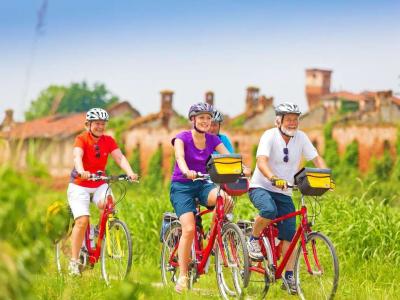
75, 98
42, 105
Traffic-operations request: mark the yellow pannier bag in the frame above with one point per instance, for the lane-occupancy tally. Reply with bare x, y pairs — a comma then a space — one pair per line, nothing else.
313, 181
224, 168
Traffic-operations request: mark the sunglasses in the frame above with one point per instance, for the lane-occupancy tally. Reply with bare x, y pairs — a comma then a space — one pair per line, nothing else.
97, 149
286, 152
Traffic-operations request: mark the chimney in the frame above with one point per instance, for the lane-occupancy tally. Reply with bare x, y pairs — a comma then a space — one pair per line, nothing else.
8, 121
251, 99
166, 106
209, 98
318, 84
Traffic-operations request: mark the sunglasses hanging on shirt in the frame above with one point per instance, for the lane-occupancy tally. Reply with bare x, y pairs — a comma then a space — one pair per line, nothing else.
286, 155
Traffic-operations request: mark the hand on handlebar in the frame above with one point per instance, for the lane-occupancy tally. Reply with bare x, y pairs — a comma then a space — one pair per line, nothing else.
84, 175
190, 174
279, 183
133, 177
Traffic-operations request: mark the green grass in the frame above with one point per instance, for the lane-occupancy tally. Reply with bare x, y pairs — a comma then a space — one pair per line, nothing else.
364, 230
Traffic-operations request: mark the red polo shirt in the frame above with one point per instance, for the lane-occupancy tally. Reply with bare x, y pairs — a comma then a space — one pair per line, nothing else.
94, 155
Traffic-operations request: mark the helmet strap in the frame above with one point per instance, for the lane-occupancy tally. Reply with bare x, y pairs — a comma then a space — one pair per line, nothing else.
195, 127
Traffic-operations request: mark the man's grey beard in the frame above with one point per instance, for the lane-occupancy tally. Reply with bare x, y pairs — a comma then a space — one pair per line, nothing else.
289, 132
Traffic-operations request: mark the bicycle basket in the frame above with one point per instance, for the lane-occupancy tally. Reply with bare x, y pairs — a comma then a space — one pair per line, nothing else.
168, 218
313, 181
224, 168
237, 188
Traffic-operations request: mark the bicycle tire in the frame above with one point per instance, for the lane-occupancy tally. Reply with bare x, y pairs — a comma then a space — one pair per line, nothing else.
236, 252
63, 251
169, 274
259, 283
323, 282
116, 254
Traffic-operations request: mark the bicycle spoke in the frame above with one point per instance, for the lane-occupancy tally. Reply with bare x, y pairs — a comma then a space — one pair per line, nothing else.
317, 276
169, 254
232, 274
116, 255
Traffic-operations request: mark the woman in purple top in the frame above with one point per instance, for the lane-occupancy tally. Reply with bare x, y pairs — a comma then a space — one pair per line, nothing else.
192, 148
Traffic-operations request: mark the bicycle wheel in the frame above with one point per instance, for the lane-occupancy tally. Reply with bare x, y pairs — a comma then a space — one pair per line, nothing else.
232, 277
169, 254
259, 281
322, 282
116, 252
63, 253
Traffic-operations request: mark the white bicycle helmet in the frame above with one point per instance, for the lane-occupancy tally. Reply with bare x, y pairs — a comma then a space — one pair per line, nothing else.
95, 114
287, 108
217, 117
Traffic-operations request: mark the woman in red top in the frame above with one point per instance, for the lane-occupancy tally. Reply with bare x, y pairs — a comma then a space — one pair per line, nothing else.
91, 150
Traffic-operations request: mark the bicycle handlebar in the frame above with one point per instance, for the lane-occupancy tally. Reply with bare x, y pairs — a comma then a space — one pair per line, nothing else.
111, 178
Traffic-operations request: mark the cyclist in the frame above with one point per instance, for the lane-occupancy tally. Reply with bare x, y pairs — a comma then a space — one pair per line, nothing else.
90, 152
279, 155
215, 128
192, 149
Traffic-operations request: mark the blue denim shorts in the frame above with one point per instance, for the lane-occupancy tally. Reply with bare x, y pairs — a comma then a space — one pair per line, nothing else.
273, 205
183, 194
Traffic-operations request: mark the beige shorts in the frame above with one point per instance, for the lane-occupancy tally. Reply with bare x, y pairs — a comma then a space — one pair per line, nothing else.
79, 198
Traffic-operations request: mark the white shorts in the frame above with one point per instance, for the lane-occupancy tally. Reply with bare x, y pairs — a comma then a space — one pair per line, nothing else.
79, 198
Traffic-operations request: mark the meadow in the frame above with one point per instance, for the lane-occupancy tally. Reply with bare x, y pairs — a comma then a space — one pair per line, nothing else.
361, 218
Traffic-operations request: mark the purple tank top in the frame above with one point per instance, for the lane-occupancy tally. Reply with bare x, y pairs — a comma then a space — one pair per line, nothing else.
195, 158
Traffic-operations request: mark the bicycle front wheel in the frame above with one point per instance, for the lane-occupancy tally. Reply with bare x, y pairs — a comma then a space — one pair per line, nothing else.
232, 274
116, 252
321, 280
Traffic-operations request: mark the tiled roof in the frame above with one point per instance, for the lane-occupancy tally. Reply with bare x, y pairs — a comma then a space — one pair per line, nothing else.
60, 126
145, 119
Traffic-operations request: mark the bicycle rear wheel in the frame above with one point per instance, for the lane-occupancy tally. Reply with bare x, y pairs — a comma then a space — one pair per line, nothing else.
322, 282
169, 254
63, 251
116, 252
232, 277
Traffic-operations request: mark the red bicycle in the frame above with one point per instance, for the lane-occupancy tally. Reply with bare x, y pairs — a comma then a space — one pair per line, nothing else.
113, 245
225, 240
316, 270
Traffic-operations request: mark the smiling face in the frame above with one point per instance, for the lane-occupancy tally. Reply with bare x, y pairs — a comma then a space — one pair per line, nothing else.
202, 122
290, 124
97, 127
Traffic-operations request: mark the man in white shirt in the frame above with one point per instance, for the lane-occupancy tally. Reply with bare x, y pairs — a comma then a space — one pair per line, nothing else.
279, 155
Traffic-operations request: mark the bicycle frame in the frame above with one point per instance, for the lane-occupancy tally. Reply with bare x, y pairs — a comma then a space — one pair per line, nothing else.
202, 254
94, 253
267, 233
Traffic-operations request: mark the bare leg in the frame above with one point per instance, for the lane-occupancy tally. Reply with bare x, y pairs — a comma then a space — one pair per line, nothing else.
259, 224
78, 234
188, 222
290, 263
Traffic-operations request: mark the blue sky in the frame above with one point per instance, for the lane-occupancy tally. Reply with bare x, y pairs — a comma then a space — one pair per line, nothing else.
139, 48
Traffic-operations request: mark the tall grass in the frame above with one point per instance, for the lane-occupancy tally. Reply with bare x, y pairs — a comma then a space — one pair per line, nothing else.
364, 230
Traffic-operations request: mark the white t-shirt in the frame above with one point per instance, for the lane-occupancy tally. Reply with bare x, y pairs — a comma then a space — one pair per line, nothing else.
272, 145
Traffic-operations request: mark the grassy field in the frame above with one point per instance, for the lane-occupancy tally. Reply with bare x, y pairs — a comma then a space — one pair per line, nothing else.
364, 229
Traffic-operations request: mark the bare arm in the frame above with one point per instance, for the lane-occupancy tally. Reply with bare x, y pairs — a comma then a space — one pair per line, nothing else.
319, 162
121, 160
262, 164
222, 149
78, 154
